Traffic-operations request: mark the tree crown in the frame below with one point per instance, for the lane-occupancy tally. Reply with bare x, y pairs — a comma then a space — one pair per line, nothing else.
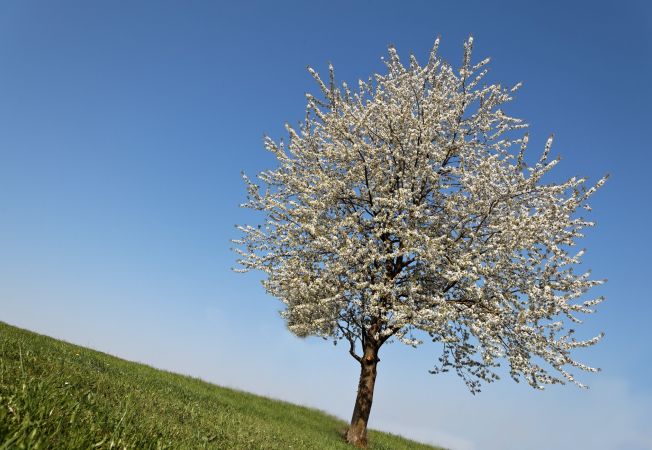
405, 208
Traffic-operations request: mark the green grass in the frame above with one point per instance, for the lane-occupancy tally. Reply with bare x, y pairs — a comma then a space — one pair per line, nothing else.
58, 395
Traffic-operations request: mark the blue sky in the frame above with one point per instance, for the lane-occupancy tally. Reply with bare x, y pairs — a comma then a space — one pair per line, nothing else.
123, 130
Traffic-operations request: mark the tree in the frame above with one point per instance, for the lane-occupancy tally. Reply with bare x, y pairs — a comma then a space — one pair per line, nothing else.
406, 211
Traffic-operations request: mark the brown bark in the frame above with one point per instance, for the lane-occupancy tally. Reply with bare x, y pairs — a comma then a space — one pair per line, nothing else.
357, 433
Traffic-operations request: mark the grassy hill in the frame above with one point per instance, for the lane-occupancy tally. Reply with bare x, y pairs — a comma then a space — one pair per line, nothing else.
58, 395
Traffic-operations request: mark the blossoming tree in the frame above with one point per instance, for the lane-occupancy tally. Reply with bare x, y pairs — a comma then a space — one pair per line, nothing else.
404, 210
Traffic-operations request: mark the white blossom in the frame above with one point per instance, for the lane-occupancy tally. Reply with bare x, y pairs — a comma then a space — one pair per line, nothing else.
405, 210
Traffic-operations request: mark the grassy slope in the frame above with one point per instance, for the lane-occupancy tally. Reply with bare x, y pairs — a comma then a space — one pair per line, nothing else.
58, 395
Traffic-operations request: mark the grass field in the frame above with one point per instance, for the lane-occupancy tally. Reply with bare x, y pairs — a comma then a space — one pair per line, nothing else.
58, 395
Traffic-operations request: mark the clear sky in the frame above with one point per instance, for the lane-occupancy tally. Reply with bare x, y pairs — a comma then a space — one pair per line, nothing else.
123, 130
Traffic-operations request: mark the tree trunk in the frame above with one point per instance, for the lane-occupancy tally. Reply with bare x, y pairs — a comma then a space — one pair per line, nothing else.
357, 433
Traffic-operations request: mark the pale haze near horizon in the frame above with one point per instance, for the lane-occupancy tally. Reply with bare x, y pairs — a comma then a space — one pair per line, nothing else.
123, 131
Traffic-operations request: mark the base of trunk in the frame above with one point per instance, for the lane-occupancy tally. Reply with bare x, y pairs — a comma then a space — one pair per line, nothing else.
357, 435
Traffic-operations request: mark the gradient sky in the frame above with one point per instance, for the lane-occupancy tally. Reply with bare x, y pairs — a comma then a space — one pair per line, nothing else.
123, 130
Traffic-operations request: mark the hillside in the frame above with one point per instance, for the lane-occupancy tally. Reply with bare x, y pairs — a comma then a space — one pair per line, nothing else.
58, 395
